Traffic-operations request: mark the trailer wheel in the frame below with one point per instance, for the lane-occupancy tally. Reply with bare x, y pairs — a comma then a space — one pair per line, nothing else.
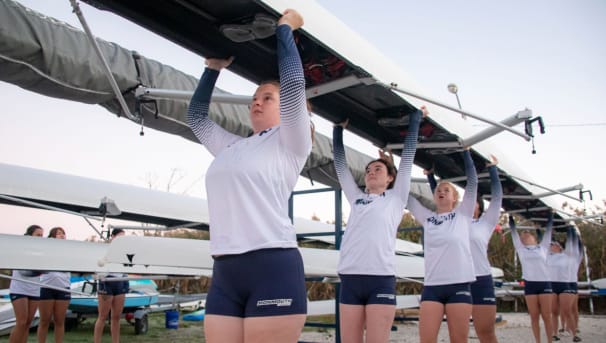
141, 325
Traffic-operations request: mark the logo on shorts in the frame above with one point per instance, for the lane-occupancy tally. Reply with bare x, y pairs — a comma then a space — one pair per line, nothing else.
466, 293
489, 299
276, 302
388, 296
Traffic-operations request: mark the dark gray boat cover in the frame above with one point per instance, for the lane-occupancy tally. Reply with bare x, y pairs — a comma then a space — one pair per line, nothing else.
50, 57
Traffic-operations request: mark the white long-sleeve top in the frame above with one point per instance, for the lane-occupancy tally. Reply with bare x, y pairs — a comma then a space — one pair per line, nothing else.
533, 258
483, 227
250, 180
368, 246
447, 255
574, 249
558, 266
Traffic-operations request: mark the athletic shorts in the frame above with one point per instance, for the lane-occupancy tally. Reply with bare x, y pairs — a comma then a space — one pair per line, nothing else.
367, 289
112, 287
574, 287
482, 291
259, 283
562, 287
53, 294
537, 287
448, 294
15, 296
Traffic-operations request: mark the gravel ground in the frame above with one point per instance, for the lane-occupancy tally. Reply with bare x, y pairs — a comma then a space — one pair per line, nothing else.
514, 328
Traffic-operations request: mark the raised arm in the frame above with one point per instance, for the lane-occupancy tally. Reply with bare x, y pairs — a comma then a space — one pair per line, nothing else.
546, 240
574, 246
294, 119
211, 135
579, 244
402, 184
571, 244
431, 178
539, 234
471, 188
515, 238
491, 215
347, 181
420, 212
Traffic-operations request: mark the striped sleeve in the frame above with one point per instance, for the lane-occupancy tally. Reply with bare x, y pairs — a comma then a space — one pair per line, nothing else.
515, 238
294, 120
574, 246
346, 180
491, 216
546, 241
433, 184
471, 188
571, 244
402, 184
580, 247
211, 135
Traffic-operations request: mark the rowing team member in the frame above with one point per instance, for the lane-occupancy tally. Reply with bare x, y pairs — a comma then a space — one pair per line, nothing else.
53, 301
484, 306
367, 254
537, 283
111, 296
25, 296
258, 290
563, 265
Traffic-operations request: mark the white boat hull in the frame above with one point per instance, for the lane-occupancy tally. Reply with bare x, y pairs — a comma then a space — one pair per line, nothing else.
7, 319
153, 255
327, 307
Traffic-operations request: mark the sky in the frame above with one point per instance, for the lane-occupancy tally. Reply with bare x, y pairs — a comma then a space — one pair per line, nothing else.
546, 55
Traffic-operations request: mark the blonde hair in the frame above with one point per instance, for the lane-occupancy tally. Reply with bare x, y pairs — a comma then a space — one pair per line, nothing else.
312, 126
454, 191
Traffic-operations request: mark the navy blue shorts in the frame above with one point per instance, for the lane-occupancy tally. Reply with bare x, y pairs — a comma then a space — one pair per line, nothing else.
574, 287
15, 296
482, 291
562, 287
53, 294
260, 283
537, 287
113, 287
367, 289
448, 294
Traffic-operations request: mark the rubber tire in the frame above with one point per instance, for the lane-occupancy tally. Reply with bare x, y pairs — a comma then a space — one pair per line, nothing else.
141, 325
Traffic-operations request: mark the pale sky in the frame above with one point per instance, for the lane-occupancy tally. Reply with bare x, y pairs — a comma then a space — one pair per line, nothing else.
546, 55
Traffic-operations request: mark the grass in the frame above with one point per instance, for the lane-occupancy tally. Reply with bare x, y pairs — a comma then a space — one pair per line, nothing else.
187, 332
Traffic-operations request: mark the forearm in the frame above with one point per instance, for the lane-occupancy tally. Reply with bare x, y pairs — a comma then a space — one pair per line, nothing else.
294, 119
197, 113
491, 215
346, 180
402, 184
471, 188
